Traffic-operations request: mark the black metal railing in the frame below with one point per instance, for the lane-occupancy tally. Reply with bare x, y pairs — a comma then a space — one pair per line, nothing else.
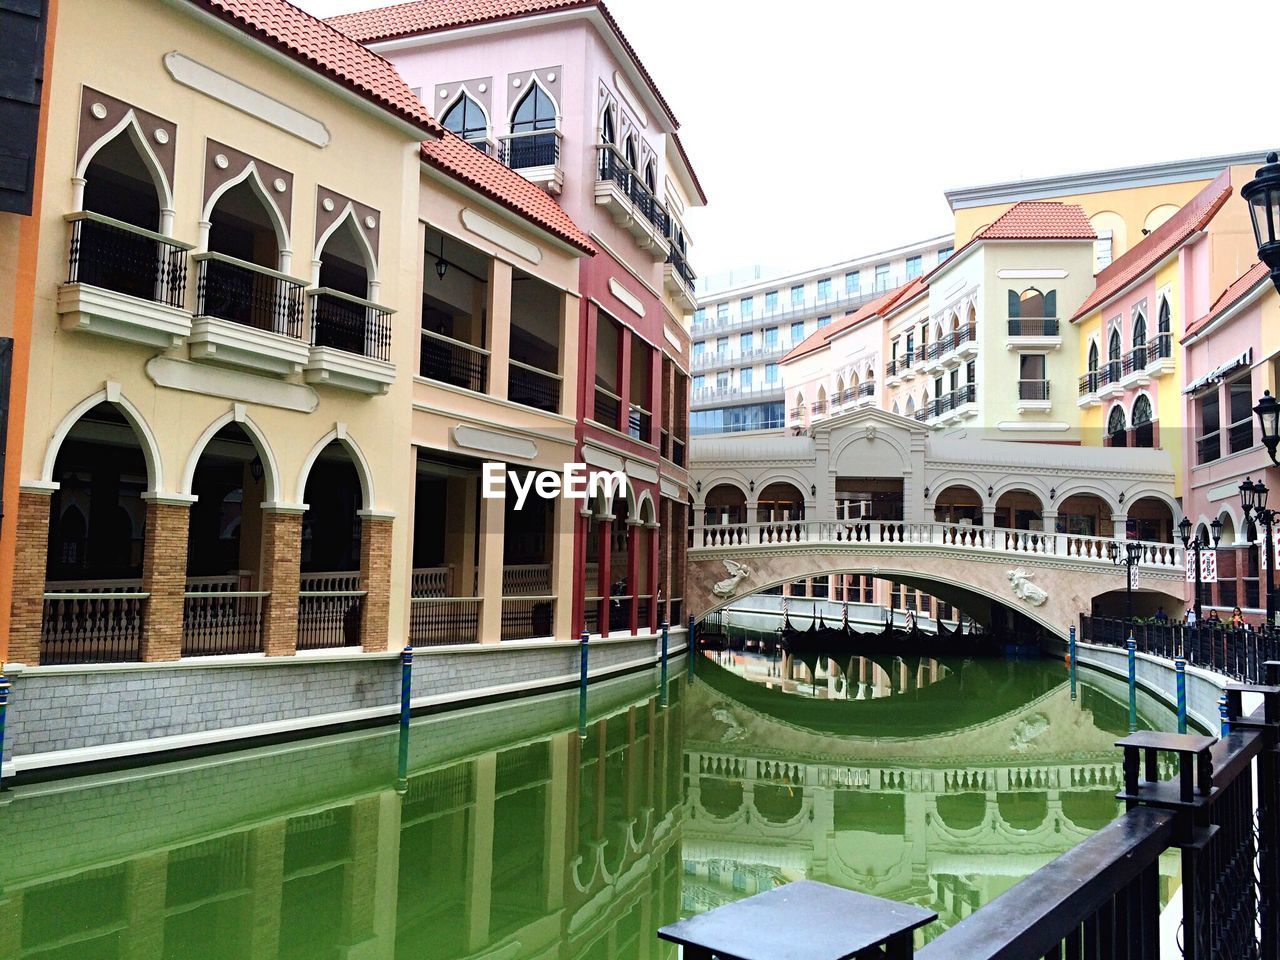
532, 387
1033, 326
608, 408
1160, 347
439, 621
818, 407
525, 618
524, 150
1209, 447
454, 362
329, 618
1238, 653
947, 343
1033, 389
118, 256
1136, 359
893, 366
247, 294
867, 389
613, 168
1095, 380
92, 627
677, 452
681, 266
620, 608
351, 324
639, 422
1240, 436
217, 622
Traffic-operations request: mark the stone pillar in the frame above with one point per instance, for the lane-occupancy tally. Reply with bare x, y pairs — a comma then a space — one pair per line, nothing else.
570, 350
604, 573
164, 577
498, 336
492, 539
989, 516
634, 533
281, 575
1118, 522
563, 567
655, 550
31, 555
375, 581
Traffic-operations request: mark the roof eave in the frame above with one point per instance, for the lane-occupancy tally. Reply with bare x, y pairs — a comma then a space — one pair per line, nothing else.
1246, 300
349, 93
1140, 278
445, 176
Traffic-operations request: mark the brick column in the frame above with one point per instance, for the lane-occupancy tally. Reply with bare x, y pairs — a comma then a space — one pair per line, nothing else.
634, 528
31, 555
164, 577
281, 575
375, 581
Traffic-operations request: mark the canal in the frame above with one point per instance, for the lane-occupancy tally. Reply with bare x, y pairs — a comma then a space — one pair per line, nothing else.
932, 781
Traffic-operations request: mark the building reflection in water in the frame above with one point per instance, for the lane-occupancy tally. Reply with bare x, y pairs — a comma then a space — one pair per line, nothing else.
514, 838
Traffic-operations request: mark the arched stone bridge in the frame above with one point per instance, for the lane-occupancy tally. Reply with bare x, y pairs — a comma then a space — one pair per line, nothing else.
969, 567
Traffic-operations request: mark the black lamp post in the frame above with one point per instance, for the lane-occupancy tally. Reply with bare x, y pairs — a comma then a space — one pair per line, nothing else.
1126, 553
1268, 411
1262, 194
1253, 499
1184, 531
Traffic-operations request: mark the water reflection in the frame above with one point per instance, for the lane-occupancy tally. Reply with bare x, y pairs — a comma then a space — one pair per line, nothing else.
511, 837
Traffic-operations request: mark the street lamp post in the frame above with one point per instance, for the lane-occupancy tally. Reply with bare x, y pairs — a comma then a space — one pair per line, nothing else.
1126, 553
1184, 531
1253, 499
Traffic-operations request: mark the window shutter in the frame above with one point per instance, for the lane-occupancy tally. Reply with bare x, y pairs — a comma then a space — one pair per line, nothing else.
1051, 303
1015, 305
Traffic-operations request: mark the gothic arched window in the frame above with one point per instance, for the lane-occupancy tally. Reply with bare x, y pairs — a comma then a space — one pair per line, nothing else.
467, 120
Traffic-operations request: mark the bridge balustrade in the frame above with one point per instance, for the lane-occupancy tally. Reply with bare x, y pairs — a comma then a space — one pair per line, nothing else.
933, 533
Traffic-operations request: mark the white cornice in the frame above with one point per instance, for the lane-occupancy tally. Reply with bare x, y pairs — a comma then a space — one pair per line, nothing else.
1098, 181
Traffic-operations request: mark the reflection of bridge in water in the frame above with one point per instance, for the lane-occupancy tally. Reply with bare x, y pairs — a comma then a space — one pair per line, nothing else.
950, 821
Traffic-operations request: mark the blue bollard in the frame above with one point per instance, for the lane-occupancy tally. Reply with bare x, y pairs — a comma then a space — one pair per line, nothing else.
1071, 659
666, 638
582, 685
406, 690
1180, 673
5, 686
1133, 683
1223, 715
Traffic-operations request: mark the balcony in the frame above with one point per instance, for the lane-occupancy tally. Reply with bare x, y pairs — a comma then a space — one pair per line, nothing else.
679, 279
709, 359
1160, 355
533, 387
907, 363
833, 306
1033, 395
717, 396
893, 372
1133, 368
350, 342
607, 409
451, 361
1042, 332
958, 404
633, 207
247, 316
536, 157
1098, 385
124, 282
950, 349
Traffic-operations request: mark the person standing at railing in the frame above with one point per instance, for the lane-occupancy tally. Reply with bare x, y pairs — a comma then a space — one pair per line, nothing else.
1237, 620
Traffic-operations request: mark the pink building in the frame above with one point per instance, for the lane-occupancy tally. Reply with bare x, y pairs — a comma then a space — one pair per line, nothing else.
555, 91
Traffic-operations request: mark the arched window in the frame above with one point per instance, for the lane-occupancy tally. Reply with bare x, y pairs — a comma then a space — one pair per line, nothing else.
607, 132
1093, 356
650, 176
534, 112
1033, 303
630, 152
1165, 319
1140, 330
119, 184
241, 226
1143, 427
467, 120
1116, 428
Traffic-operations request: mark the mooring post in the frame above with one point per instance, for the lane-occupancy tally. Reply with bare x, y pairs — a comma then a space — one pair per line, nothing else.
406, 692
1133, 683
691, 644
1071, 659
5, 686
662, 680
1223, 715
1180, 674
582, 684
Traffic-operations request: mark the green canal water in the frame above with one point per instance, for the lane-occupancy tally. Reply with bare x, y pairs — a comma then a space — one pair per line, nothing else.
936, 782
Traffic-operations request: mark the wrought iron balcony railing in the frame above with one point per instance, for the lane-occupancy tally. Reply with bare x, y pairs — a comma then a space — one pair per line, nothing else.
1033, 389
120, 257
614, 168
344, 322
1033, 327
454, 362
248, 294
523, 151
533, 387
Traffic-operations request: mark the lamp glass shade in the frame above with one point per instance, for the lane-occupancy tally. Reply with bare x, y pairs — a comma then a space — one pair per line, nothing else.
1259, 495
1262, 195
1184, 530
1268, 411
1246, 496
1215, 528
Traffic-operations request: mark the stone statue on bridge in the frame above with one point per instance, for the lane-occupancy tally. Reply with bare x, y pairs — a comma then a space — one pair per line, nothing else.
1024, 589
729, 586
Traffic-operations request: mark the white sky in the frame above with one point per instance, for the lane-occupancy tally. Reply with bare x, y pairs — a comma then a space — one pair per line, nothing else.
824, 130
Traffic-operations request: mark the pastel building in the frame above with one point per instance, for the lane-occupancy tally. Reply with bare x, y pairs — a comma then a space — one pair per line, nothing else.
741, 334
558, 95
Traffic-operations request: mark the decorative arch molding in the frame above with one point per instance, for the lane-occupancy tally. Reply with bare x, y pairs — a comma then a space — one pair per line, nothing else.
646, 512
863, 435
1071, 488
161, 177
237, 414
225, 167
793, 479
103, 117
1024, 485
332, 210
358, 459
1133, 403
700, 497
480, 97
110, 393
523, 84
941, 484
1132, 496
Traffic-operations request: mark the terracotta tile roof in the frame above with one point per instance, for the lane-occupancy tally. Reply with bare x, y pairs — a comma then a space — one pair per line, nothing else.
482, 173
312, 42
428, 16
1039, 220
1242, 286
878, 307
1158, 244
